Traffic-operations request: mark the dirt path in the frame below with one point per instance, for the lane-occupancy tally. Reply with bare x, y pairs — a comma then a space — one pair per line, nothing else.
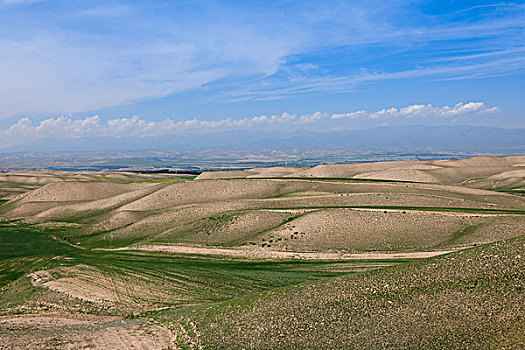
274, 254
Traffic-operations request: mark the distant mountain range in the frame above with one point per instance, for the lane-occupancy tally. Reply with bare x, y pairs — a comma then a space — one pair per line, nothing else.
402, 138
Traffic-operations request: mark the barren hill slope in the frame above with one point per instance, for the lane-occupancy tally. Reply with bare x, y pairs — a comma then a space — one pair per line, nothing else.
481, 172
358, 213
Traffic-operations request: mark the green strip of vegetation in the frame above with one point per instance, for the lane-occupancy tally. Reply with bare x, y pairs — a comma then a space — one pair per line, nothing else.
514, 192
133, 180
458, 235
333, 179
67, 177
157, 180
123, 180
343, 179
432, 209
18, 186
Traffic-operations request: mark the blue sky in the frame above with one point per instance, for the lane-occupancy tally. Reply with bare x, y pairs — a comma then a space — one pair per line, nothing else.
229, 60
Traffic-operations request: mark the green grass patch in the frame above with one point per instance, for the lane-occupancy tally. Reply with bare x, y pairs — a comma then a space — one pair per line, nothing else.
14, 268
19, 241
22, 249
458, 235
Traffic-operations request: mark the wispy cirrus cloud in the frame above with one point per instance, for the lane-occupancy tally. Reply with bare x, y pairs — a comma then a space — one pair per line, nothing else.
266, 90
67, 128
65, 58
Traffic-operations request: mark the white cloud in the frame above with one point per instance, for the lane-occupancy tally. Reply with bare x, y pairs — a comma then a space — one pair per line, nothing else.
352, 115
417, 111
66, 128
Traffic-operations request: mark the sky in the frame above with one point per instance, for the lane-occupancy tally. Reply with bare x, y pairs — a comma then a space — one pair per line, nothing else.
146, 68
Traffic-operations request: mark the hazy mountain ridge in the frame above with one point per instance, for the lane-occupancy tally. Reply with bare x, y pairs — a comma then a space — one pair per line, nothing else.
448, 138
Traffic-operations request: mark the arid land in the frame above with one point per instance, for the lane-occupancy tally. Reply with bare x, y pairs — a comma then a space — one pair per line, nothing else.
410, 254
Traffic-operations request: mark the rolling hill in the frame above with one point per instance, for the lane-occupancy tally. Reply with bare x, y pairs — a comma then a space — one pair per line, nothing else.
369, 255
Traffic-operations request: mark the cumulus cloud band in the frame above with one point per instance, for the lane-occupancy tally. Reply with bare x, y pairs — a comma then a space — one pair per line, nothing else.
94, 126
